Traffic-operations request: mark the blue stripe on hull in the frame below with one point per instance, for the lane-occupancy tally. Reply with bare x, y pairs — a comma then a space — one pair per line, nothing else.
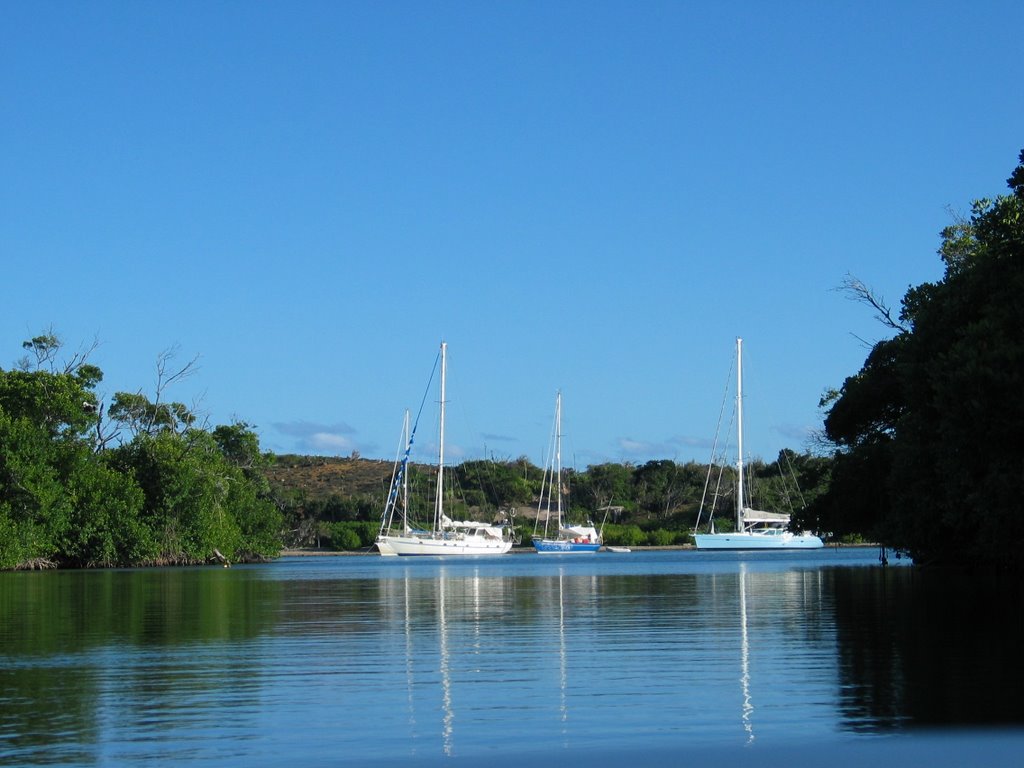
563, 547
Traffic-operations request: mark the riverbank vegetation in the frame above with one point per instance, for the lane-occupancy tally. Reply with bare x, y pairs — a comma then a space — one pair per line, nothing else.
928, 453
141, 484
336, 503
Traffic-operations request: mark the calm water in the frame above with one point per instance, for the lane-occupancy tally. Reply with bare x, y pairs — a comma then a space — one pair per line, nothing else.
774, 658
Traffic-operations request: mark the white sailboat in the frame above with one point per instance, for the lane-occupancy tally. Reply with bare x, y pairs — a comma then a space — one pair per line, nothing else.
754, 529
446, 536
567, 539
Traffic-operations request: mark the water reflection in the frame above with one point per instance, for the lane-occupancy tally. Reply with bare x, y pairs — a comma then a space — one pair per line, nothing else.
78, 650
446, 682
771, 636
363, 660
563, 656
929, 648
432, 611
471, 639
748, 707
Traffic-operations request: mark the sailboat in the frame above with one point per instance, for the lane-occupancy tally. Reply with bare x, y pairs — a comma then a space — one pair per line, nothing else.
445, 536
754, 529
568, 538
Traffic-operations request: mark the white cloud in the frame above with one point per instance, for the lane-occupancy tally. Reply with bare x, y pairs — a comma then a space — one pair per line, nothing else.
308, 428
327, 441
331, 439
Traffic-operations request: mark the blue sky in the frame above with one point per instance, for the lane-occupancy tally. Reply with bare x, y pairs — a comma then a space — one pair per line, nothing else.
596, 197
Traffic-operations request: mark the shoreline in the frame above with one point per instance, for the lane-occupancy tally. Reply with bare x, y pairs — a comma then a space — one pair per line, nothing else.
312, 552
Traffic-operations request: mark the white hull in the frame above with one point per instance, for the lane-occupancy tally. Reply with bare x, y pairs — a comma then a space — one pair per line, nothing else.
441, 545
748, 540
755, 529
447, 537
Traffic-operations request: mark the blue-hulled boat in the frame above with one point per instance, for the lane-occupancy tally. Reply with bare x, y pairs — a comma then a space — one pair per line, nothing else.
577, 539
567, 539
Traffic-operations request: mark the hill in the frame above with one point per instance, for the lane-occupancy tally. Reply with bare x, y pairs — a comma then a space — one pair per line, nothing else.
317, 478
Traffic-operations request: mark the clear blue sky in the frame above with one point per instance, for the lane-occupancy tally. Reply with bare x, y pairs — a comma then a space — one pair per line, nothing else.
592, 196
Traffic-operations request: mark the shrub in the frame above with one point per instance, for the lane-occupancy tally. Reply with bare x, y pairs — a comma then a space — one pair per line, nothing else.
624, 535
343, 536
661, 538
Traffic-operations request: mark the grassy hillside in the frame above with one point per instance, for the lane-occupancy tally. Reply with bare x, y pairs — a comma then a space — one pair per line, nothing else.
317, 478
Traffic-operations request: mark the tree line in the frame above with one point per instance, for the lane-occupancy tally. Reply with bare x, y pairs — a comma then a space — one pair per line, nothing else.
654, 503
142, 484
927, 444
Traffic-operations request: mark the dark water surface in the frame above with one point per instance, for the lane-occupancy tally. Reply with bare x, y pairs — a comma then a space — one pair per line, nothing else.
654, 658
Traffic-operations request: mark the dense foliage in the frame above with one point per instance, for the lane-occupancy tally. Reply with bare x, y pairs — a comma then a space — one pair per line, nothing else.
653, 504
928, 432
141, 486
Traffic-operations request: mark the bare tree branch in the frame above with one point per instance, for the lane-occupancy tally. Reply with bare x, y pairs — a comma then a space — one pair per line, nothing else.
166, 376
79, 358
856, 290
103, 438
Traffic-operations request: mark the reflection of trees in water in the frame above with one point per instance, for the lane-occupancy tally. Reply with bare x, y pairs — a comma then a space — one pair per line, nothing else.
75, 611
921, 647
79, 642
99, 666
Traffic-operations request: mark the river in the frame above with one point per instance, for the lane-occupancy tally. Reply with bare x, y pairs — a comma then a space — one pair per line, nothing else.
655, 658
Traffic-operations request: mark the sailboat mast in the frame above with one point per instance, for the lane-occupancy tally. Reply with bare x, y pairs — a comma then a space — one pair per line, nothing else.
558, 454
439, 504
739, 433
405, 476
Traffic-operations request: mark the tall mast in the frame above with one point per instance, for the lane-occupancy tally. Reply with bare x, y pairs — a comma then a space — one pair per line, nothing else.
558, 454
439, 506
739, 432
405, 476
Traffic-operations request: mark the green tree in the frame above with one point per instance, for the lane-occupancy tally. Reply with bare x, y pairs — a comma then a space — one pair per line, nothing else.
929, 457
47, 412
135, 411
605, 484
493, 484
173, 494
104, 528
240, 445
33, 506
655, 488
198, 500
